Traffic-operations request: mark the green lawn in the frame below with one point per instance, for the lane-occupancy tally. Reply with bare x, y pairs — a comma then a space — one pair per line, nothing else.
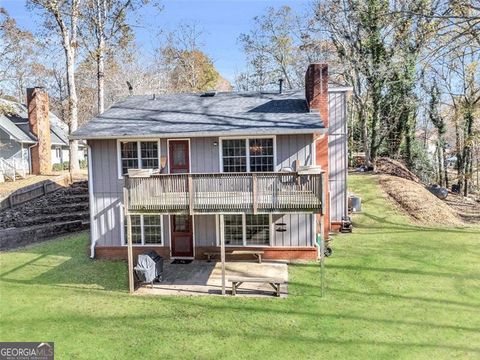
394, 291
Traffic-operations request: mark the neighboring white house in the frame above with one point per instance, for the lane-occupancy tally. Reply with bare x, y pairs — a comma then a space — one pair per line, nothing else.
17, 138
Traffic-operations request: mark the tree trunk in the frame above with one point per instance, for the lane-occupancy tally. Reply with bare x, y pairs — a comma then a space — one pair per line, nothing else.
439, 164
101, 78
101, 14
445, 165
73, 104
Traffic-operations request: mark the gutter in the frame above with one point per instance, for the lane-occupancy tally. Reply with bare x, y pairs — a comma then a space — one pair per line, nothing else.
273, 131
90, 199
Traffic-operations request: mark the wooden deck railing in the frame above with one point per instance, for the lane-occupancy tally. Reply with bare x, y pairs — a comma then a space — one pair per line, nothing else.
224, 193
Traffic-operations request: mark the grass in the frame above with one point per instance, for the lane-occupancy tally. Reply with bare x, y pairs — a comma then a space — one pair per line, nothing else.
394, 291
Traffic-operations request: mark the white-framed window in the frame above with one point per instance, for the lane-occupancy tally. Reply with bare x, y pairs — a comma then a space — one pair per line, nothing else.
247, 229
252, 154
58, 152
146, 230
137, 154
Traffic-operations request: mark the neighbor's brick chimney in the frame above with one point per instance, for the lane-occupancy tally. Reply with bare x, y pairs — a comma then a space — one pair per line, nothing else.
316, 94
37, 103
316, 90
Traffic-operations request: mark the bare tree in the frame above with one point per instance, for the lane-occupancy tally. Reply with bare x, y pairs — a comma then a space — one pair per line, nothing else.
18, 57
106, 27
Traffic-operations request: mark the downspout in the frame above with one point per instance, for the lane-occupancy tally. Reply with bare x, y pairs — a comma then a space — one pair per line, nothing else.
90, 198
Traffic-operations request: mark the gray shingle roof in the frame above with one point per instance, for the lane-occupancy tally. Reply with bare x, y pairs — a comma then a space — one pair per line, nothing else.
195, 115
17, 125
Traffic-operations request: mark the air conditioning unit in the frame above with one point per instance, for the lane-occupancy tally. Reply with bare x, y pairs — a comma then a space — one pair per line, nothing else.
309, 169
140, 172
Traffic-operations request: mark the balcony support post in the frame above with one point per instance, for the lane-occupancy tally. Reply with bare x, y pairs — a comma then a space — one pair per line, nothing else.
254, 194
190, 194
222, 252
131, 285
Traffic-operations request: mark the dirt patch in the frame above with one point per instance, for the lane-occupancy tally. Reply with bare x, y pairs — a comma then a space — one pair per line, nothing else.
419, 203
388, 166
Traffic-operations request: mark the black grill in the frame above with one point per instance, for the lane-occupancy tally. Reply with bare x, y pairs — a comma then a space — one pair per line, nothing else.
149, 267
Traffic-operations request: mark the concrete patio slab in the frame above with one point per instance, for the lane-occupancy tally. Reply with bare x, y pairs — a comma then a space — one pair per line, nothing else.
204, 278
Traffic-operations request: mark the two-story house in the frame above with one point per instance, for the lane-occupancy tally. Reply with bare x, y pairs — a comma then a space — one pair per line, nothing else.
255, 170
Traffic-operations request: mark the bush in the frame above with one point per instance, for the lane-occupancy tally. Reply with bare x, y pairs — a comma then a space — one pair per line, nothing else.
65, 165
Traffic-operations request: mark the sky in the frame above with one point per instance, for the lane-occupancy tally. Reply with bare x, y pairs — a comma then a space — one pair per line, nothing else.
221, 20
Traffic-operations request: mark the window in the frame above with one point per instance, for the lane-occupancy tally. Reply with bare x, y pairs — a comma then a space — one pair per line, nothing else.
136, 229
129, 155
247, 230
146, 230
253, 155
234, 155
233, 225
58, 152
257, 229
138, 155
261, 154
149, 155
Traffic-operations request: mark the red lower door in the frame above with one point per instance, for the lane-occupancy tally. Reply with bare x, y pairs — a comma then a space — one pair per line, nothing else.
182, 236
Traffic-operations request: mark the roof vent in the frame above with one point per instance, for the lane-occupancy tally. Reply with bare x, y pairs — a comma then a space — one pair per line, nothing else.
209, 94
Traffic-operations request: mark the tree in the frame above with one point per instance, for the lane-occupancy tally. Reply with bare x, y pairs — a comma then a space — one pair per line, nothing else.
18, 57
280, 45
63, 16
439, 122
379, 44
106, 28
187, 68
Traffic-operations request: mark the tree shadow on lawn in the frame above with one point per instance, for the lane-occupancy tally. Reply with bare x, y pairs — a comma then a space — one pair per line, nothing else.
64, 263
390, 227
232, 337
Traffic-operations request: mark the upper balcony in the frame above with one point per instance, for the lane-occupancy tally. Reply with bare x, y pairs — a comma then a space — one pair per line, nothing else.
255, 193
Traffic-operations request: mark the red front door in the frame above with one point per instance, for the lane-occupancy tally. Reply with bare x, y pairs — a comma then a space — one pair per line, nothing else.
179, 156
181, 225
182, 236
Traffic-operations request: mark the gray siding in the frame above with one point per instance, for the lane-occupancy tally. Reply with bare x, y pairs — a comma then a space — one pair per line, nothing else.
338, 167
204, 155
294, 147
108, 196
299, 230
107, 193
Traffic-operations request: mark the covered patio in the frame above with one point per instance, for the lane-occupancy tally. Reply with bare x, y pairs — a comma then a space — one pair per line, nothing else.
205, 278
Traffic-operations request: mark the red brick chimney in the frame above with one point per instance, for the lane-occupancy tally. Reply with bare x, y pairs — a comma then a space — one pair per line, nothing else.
41, 154
316, 89
316, 94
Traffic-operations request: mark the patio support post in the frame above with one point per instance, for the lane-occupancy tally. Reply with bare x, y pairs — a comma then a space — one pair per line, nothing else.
322, 253
131, 286
222, 252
